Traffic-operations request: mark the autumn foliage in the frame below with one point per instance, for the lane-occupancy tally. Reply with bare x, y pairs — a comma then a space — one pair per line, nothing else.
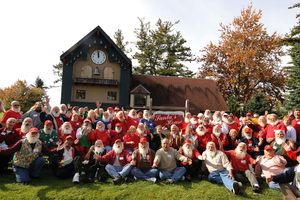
246, 59
20, 91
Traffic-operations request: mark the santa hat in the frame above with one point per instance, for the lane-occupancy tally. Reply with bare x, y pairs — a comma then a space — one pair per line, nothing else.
69, 137
188, 142
118, 124
195, 116
87, 120
33, 129
143, 139
249, 114
48, 122
277, 130
110, 108
117, 108
247, 130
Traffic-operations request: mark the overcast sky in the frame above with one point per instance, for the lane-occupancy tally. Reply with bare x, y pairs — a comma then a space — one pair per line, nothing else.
35, 33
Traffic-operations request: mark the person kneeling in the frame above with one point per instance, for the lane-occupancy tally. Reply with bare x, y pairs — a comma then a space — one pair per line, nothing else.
94, 165
118, 160
143, 158
219, 167
67, 162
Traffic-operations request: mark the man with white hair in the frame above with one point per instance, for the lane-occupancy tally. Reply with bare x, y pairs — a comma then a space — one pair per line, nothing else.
254, 146
116, 134
65, 130
48, 135
132, 119
142, 159
207, 114
259, 127
55, 116
100, 133
217, 137
93, 165
82, 144
119, 119
268, 133
67, 163
219, 167
217, 120
175, 138
63, 109
150, 124
187, 121
190, 152
165, 160
194, 122
240, 161
27, 156
118, 160
105, 119
26, 126
279, 150
13, 112
111, 113
203, 137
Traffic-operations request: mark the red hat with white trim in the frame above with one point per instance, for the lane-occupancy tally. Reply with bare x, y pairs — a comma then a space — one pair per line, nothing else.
48, 122
69, 137
188, 142
195, 116
87, 120
117, 108
118, 124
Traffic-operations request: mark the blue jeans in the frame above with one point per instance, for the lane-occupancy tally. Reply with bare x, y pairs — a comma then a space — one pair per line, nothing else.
144, 174
175, 175
274, 186
22, 174
115, 172
129, 150
221, 177
108, 148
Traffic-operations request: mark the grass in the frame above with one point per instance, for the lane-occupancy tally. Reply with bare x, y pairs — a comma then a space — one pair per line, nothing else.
49, 187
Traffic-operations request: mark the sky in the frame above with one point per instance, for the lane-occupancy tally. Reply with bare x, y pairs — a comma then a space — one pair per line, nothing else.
35, 33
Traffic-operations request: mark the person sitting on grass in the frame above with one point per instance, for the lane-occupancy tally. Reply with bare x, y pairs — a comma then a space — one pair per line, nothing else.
142, 159
220, 169
67, 162
240, 161
27, 156
165, 160
94, 165
118, 160
291, 175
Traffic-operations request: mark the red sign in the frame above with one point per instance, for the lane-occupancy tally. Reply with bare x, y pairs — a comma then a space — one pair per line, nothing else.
168, 118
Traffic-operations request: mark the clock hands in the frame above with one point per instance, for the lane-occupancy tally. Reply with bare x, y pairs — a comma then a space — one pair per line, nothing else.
98, 53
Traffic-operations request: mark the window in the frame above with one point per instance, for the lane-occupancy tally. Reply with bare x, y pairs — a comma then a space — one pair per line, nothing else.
108, 73
140, 100
80, 94
112, 96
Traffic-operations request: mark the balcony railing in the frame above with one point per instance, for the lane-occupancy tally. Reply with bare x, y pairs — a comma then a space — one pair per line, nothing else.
96, 81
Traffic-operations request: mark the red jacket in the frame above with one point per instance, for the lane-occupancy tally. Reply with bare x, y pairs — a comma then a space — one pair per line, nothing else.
203, 140
223, 139
128, 138
194, 155
296, 125
269, 130
233, 125
114, 135
115, 120
12, 114
124, 157
75, 125
97, 135
239, 164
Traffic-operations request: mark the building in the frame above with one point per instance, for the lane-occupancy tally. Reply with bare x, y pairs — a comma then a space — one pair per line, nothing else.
95, 69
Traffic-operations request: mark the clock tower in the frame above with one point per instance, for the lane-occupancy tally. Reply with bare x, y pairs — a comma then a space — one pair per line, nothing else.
95, 69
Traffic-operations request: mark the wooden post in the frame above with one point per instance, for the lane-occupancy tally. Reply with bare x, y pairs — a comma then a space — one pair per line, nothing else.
187, 106
150, 107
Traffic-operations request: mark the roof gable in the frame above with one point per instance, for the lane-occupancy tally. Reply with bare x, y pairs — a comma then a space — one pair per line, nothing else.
140, 89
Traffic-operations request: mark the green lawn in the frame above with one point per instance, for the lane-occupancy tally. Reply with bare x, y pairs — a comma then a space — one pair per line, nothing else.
49, 187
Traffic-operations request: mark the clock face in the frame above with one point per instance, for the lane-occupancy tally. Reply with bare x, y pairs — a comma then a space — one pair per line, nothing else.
98, 57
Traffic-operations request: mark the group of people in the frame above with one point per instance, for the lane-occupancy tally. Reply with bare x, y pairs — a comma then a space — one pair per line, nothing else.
88, 143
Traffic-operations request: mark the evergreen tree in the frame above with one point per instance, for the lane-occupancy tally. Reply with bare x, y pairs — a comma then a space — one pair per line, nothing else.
258, 104
119, 40
234, 106
58, 70
39, 83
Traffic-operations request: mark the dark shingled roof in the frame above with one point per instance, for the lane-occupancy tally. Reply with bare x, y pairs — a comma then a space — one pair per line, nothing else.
173, 91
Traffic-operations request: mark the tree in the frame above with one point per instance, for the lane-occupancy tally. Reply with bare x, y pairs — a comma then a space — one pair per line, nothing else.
246, 59
234, 106
161, 51
20, 91
39, 83
258, 104
58, 70
119, 40
293, 80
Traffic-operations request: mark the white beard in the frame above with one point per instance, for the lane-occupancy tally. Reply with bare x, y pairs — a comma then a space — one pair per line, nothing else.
225, 119
84, 126
63, 112
16, 109
99, 150
217, 134
48, 131
105, 119
186, 120
140, 131
239, 154
187, 152
55, 114
248, 137
147, 118
217, 120
111, 115
67, 132
211, 154
280, 140
133, 117
207, 115
274, 123
261, 124
143, 151
121, 120
25, 128
31, 139
101, 129
200, 133
118, 130
193, 121
118, 150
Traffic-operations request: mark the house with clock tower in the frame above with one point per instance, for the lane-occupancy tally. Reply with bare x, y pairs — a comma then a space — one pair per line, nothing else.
95, 69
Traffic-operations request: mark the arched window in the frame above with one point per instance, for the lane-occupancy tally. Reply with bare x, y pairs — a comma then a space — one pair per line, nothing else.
86, 71
108, 73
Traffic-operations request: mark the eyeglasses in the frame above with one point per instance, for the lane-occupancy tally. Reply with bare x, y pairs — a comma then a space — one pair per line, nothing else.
16, 105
